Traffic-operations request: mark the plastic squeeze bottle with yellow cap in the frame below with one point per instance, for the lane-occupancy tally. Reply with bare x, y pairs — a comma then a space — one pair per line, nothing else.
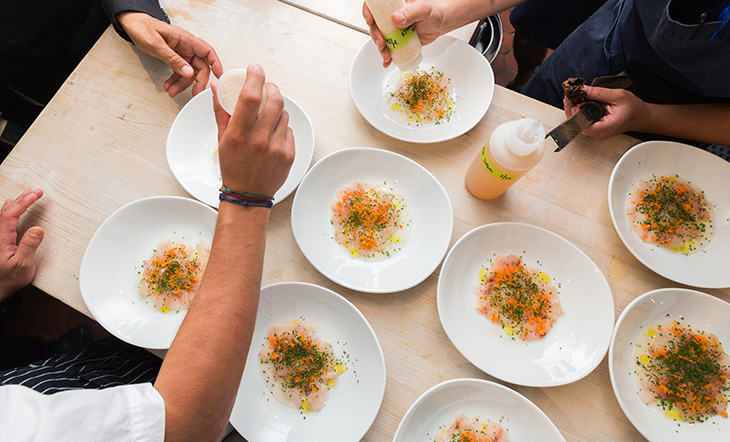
514, 148
405, 48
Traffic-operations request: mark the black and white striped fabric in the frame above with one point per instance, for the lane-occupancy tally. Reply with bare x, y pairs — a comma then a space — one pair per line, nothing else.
102, 364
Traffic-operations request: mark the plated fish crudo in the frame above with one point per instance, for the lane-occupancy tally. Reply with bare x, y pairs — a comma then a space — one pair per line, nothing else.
299, 368
682, 370
172, 275
475, 429
425, 98
522, 300
369, 220
671, 213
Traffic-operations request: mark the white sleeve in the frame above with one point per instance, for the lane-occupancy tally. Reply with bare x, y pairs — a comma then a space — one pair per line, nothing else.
129, 413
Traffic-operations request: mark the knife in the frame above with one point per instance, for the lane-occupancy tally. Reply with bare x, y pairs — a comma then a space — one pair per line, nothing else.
589, 113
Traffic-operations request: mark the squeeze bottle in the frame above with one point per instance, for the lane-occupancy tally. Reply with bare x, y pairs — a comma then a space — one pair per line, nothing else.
405, 48
514, 148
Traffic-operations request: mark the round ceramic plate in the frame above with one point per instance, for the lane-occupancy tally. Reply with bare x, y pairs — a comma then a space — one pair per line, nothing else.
699, 310
109, 276
443, 403
470, 73
577, 341
192, 149
352, 404
424, 243
702, 268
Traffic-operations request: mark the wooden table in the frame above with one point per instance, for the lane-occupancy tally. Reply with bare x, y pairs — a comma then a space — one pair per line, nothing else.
100, 144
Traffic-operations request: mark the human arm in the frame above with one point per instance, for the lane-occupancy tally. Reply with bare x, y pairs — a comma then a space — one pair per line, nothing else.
202, 370
190, 58
707, 122
434, 18
17, 259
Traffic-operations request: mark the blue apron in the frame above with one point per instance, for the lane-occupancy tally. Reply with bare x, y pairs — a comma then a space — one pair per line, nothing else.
671, 62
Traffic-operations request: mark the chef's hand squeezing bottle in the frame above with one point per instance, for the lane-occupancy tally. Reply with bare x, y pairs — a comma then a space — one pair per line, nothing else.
405, 48
514, 148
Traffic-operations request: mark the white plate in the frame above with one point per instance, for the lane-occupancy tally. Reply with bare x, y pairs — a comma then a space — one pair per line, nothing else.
193, 139
470, 73
577, 341
701, 311
426, 202
109, 278
441, 404
352, 404
705, 268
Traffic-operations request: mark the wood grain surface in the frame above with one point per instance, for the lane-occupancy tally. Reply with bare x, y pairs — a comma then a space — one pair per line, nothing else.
100, 144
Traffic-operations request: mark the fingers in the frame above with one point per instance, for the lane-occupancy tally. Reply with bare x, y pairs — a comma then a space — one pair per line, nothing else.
599, 130
249, 99
207, 55
568, 107
28, 245
221, 116
16, 208
271, 115
604, 95
194, 56
377, 36
411, 13
161, 47
367, 15
201, 76
176, 84
283, 139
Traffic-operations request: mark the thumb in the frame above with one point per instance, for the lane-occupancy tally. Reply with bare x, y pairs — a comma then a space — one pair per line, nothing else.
221, 116
411, 13
29, 244
602, 94
161, 50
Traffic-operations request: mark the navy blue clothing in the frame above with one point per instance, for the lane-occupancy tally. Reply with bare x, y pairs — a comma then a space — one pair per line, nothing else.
644, 39
663, 45
538, 21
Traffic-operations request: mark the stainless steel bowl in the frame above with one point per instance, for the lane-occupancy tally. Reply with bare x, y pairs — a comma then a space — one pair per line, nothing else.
487, 37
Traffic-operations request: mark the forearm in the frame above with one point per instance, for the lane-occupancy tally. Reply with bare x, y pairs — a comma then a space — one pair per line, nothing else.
708, 123
463, 12
202, 370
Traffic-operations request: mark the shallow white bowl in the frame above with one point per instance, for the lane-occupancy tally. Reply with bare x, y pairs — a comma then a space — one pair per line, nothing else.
426, 201
577, 341
471, 76
109, 278
352, 404
193, 139
441, 404
702, 312
705, 268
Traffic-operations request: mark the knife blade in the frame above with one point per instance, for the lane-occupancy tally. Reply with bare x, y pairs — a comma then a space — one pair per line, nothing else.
589, 113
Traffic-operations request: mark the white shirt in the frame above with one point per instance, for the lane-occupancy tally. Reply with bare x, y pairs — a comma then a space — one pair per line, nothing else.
134, 413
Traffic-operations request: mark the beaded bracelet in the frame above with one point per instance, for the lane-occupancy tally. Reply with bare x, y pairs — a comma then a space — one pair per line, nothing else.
245, 201
225, 189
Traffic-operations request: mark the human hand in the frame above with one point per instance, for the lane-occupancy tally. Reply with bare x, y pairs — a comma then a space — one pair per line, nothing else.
428, 15
17, 260
190, 58
625, 112
255, 150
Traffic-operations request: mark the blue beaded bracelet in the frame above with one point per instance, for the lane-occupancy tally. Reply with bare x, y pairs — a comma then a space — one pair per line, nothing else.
243, 201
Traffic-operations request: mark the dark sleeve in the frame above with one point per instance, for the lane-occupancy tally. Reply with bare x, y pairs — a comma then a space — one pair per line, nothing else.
114, 7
